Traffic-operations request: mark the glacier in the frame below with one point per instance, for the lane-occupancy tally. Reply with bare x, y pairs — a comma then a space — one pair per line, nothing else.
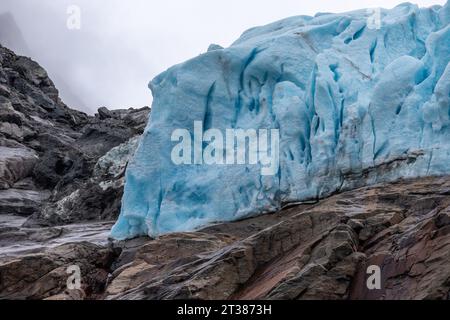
355, 103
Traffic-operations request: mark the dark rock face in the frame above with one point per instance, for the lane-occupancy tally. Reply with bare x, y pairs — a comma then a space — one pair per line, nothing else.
55, 149
97, 197
318, 251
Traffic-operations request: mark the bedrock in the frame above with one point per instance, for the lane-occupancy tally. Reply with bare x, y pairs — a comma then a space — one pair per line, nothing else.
356, 101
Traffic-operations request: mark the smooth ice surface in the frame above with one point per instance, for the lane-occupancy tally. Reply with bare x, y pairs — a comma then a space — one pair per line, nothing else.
354, 104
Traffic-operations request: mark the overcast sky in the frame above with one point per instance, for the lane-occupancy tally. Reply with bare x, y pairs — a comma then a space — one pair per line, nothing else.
123, 44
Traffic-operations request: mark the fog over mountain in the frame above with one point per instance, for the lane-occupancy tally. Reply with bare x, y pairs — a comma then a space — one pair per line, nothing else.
122, 45
11, 36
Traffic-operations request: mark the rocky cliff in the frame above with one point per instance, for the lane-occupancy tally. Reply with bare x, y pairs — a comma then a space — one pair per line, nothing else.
54, 164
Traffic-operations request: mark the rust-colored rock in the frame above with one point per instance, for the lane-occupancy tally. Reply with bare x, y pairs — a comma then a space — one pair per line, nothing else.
310, 251
319, 251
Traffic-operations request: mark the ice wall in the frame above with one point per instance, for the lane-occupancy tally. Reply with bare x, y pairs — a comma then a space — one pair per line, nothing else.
356, 99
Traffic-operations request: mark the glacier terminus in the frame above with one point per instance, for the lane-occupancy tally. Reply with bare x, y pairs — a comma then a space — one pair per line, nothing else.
354, 105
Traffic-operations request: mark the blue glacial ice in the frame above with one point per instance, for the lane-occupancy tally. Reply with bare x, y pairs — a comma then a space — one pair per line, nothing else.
356, 100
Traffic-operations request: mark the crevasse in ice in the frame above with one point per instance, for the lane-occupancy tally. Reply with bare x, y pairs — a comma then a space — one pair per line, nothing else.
358, 98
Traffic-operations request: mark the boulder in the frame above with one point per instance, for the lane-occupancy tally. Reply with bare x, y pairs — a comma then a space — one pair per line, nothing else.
15, 164
45, 275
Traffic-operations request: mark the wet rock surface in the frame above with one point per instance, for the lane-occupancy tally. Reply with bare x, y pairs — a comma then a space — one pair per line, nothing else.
318, 251
307, 251
22, 202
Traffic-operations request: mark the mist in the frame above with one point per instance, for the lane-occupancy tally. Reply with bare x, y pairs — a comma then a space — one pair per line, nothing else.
121, 45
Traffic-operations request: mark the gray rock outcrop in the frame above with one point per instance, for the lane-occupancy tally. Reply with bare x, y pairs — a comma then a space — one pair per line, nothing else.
48, 151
